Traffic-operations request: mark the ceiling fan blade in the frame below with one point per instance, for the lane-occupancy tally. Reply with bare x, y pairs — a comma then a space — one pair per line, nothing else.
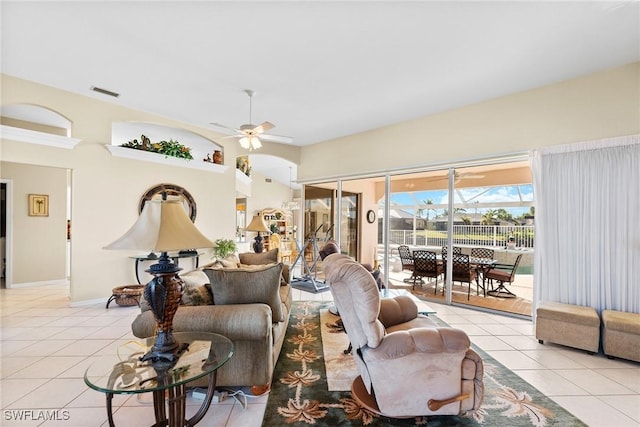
276, 138
225, 129
264, 127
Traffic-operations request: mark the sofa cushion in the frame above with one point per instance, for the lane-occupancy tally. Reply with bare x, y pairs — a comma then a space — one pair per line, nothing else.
252, 258
246, 286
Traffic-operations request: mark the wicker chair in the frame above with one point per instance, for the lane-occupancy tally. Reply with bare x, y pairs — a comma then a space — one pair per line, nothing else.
425, 264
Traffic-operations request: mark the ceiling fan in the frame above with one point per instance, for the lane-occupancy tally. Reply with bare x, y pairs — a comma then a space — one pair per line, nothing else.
249, 135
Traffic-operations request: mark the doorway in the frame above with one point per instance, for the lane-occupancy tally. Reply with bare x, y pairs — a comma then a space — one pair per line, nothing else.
32, 235
4, 210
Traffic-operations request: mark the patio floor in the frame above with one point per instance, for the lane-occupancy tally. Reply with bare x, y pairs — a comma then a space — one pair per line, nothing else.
522, 287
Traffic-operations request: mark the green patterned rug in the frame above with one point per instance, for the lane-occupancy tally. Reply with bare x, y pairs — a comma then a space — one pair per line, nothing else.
300, 397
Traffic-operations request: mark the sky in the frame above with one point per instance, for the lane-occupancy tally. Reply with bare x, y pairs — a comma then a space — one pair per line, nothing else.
500, 194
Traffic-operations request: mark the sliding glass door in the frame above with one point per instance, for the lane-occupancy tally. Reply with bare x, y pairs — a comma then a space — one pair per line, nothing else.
473, 208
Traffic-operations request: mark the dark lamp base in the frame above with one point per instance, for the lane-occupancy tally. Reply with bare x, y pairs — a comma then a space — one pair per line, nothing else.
164, 354
258, 247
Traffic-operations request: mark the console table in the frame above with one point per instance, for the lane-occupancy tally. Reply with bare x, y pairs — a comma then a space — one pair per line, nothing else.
175, 257
123, 373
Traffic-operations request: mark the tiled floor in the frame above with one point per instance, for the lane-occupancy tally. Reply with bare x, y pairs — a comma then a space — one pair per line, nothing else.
46, 347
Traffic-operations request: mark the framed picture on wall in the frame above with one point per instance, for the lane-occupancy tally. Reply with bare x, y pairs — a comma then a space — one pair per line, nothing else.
38, 205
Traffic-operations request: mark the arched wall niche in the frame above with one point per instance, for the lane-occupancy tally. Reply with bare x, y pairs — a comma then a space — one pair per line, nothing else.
201, 147
35, 118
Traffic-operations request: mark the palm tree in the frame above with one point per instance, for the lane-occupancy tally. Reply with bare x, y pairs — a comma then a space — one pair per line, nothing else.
504, 215
489, 217
428, 202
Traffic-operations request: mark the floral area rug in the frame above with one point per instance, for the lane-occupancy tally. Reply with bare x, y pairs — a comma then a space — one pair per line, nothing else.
300, 394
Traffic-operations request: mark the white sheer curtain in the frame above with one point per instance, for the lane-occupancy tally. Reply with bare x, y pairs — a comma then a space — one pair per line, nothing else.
587, 248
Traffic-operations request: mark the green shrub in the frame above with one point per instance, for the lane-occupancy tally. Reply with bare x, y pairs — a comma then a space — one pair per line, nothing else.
224, 248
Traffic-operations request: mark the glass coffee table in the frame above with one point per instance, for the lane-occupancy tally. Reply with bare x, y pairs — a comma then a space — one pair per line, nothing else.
123, 373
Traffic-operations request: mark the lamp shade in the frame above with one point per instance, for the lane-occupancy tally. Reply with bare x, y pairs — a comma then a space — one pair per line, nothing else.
257, 224
163, 226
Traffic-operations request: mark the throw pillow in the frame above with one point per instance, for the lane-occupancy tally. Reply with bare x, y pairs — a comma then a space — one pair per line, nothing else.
259, 258
195, 291
247, 286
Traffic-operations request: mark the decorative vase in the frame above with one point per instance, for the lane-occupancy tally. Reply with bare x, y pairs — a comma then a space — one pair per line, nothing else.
217, 157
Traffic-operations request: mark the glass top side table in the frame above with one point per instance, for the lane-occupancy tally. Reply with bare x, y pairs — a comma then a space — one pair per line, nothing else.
174, 256
123, 373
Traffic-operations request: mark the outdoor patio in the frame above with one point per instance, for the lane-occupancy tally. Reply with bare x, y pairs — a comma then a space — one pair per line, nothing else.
522, 286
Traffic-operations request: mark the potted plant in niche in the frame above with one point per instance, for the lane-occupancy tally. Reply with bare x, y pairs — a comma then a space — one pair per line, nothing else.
168, 148
223, 248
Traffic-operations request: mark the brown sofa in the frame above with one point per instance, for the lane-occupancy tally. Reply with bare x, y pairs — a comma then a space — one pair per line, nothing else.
249, 303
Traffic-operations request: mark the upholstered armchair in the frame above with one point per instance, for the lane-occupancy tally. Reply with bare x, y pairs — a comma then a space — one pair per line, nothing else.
408, 365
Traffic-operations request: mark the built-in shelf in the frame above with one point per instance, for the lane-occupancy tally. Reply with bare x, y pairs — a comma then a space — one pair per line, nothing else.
35, 137
242, 177
147, 156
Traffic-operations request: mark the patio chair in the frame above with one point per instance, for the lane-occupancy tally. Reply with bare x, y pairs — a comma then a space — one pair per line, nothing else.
484, 253
406, 258
456, 250
481, 268
502, 273
425, 264
463, 272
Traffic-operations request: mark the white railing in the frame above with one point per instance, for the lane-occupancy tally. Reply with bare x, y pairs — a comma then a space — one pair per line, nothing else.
474, 235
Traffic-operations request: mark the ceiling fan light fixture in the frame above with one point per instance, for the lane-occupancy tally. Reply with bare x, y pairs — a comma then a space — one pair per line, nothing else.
255, 142
250, 142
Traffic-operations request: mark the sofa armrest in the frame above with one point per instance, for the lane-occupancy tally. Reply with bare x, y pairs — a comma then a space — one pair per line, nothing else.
238, 322
394, 311
399, 344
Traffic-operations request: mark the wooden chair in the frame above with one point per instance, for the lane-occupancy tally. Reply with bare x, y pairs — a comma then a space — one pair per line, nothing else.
502, 273
425, 264
463, 272
406, 258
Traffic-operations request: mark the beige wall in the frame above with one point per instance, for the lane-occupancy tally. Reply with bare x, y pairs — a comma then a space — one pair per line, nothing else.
593, 107
39, 242
106, 190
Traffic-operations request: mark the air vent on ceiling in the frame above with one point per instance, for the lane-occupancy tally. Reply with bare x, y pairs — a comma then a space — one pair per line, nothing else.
104, 91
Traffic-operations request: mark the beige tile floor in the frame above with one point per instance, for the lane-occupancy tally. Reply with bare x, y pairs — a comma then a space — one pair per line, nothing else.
46, 346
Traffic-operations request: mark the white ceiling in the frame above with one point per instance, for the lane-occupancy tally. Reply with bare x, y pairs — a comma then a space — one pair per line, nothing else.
320, 70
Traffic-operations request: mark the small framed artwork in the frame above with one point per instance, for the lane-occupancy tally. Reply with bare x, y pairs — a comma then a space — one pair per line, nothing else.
38, 205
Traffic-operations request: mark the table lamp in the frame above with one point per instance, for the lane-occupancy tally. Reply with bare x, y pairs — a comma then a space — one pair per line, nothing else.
163, 226
258, 225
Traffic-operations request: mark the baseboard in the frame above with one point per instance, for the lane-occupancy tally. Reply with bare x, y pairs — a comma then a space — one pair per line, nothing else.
42, 283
